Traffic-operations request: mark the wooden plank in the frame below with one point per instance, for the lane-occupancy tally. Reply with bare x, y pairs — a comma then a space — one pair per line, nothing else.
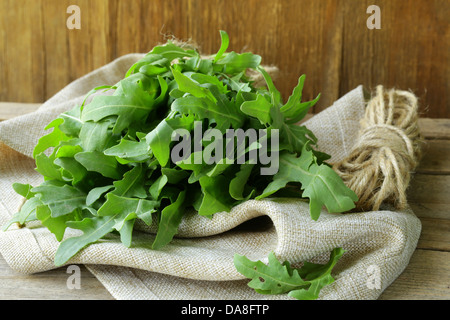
49, 285
435, 234
435, 128
426, 189
427, 277
402, 54
22, 49
430, 210
9, 110
428, 196
326, 40
436, 158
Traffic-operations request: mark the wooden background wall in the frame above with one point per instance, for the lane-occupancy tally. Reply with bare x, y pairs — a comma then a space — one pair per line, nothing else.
325, 39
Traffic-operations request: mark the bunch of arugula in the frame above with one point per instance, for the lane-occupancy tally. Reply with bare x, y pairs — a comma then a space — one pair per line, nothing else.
106, 163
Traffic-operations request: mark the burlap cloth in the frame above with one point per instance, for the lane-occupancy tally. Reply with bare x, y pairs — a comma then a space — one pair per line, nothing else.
198, 264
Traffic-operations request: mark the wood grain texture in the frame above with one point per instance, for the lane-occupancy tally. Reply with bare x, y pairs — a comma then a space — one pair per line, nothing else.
9, 110
50, 285
326, 40
427, 277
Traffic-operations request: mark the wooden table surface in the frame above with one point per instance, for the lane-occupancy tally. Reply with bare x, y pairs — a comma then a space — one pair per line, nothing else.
427, 277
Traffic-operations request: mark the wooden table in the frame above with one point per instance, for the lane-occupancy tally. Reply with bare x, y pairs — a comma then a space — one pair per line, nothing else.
427, 276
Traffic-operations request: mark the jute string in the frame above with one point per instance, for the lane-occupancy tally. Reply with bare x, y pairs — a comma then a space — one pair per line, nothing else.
381, 163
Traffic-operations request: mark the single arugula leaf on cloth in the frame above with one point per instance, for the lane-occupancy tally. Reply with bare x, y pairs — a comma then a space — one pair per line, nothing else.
304, 283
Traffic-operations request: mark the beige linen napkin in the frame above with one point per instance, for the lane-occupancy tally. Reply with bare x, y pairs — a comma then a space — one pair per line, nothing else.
198, 263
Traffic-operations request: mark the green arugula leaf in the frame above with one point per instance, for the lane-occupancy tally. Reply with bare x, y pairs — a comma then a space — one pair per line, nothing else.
124, 225
95, 194
318, 275
23, 189
280, 278
71, 169
26, 213
210, 81
101, 163
56, 225
216, 198
205, 109
128, 151
132, 184
46, 167
224, 46
157, 186
187, 85
170, 51
130, 104
93, 229
72, 123
275, 278
273, 91
239, 183
68, 148
320, 183
234, 63
61, 200
160, 138
259, 108
118, 206
52, 139
171, 217
150, 58
94, 135
174, 175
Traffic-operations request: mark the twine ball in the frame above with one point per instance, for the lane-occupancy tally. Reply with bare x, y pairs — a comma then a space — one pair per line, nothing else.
381, 163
